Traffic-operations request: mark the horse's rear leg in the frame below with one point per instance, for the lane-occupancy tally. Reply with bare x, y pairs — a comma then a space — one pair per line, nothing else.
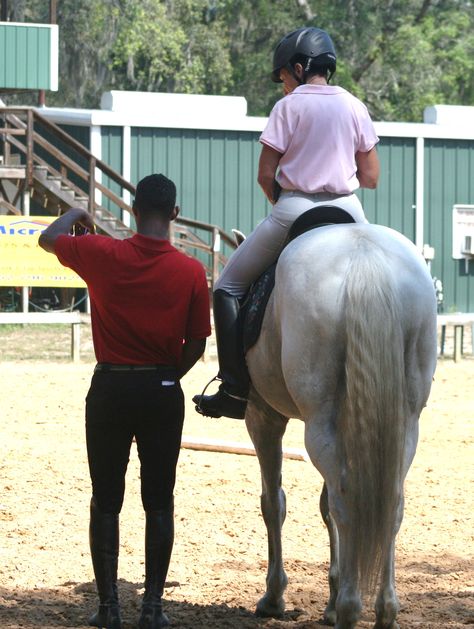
348, 602
333, 577
266, 428
387, 605
345, 603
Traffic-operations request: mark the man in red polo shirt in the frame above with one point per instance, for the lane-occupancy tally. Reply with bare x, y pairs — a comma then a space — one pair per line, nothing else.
150, 319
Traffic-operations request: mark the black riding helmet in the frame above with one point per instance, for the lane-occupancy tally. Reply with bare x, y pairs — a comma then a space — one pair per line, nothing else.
310, 42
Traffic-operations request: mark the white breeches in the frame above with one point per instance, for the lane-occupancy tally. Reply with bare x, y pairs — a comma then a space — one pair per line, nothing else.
263, 246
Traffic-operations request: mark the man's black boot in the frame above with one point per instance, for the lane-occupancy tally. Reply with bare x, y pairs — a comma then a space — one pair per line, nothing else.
104, 545
159, 537
231, 398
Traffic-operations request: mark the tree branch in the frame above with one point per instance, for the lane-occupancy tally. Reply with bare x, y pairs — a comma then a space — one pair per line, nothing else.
423, 11
387, 30
306, 9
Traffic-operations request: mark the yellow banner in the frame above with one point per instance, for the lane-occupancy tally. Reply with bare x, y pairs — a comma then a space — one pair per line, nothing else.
23, 262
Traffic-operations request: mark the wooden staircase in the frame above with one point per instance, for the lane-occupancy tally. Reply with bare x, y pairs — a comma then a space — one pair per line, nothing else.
41, 162
54, 194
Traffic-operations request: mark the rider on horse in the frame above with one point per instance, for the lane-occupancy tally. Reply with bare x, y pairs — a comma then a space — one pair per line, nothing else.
321, 140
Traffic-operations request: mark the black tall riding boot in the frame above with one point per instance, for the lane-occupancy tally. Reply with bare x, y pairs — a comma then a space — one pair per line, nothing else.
104, 544
231, 398
159, 537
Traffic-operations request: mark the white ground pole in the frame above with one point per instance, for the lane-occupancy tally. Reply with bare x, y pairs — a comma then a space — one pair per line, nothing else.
232, 447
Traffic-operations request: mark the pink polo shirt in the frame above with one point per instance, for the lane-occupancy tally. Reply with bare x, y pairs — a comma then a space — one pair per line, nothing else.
319, 129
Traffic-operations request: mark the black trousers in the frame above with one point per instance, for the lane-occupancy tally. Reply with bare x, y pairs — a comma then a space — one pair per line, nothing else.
120, 406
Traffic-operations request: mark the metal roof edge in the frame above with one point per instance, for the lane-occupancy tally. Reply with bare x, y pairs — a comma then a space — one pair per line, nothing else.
63, 115
423, 130
26, 24
98, 117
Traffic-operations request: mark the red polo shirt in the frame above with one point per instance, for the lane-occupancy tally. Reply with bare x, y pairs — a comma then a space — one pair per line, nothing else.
146, 296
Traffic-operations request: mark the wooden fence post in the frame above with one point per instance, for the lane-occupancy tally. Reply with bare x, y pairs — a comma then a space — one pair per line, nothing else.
29, 149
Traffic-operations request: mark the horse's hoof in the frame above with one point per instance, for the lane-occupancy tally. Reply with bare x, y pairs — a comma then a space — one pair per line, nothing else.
330, 617
393, 625
266, 609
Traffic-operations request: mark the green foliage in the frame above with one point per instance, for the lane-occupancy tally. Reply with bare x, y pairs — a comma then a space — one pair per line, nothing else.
147, 47
404, 55
397, 56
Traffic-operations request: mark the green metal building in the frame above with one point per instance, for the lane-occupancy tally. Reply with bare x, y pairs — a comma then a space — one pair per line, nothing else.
28, 56
209, 147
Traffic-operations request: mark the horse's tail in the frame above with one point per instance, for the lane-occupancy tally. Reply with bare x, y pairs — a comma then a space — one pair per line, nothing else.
373, 418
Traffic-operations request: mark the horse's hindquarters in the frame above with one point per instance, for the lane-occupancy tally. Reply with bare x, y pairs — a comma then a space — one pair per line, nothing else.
349, 344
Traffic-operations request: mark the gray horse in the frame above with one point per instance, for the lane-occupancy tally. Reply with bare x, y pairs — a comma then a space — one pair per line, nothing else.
348, 345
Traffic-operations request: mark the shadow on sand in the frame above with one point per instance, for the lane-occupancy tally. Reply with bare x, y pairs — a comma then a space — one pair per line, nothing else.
70, 605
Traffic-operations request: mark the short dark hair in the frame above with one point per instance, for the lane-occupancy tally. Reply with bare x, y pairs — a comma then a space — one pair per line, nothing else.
319, 66
155, 193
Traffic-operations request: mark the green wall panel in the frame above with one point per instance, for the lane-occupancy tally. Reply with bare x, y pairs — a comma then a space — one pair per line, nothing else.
79, 133
82, 135
215, 172
449, 180
392, 203
112, 142
216, 176
26, 56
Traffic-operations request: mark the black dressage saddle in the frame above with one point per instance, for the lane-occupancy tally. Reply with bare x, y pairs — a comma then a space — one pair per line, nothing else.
253, 307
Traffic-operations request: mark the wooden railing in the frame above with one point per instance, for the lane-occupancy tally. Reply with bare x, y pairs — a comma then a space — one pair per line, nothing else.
184, 236
36, 140
27, 122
